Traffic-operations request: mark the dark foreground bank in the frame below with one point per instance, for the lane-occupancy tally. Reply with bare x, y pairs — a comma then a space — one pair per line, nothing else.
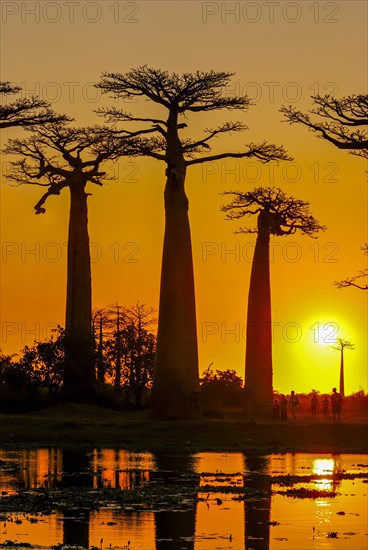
73, 425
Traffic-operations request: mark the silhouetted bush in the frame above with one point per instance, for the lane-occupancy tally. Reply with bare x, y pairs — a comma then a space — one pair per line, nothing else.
221, 392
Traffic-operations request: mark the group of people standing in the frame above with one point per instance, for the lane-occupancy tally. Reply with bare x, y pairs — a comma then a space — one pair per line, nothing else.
281, 406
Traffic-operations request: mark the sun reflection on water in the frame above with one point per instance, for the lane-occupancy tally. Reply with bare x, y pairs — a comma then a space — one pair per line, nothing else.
324, 467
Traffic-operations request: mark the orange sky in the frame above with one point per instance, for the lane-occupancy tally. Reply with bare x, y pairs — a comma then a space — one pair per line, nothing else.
60, 53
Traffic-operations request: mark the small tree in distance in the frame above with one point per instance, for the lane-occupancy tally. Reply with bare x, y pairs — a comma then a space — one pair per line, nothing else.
341, 346
176, 377
277, 215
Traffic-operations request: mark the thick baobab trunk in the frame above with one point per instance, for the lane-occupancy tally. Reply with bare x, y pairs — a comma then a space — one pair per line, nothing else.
79, 376
257, 510
174, 529
258, 357
176, 391
342, 384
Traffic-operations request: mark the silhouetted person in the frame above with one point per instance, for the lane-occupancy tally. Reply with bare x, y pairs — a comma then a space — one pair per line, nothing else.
314, 406
294, 405
276, 410
336, 404
283, 408
325, 407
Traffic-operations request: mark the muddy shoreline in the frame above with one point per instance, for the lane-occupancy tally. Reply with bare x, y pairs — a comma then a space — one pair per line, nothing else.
91, 426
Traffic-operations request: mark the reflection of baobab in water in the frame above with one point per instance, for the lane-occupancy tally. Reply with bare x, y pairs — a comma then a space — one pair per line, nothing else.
277, 215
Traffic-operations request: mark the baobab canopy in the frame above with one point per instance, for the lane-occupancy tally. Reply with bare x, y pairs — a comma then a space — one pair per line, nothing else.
287, 215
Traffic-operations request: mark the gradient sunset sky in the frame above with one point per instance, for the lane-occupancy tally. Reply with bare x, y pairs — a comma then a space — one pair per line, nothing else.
282, 53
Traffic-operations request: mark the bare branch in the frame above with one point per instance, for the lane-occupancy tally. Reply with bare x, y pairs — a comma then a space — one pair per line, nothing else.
351, 281
25, 112
264, 152
227, 127
54, 189
114, 115
342, 119
9, 88
343, 344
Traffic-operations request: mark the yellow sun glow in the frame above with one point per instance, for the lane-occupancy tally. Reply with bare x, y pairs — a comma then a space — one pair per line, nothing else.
325, 333
322, 467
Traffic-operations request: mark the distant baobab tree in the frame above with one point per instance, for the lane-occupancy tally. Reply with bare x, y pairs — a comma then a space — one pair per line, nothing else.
54, 157
176, 388
341, 346
352, 281
339, 121
278, 215
25, 112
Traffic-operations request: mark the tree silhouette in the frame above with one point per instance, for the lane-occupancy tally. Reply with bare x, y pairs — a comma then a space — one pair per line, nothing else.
351, 281
131, 348
341, 345
176, 378
339, 121
52, 159
139, 349
279, 215
101, 321
221, 390
25, 112
46, 360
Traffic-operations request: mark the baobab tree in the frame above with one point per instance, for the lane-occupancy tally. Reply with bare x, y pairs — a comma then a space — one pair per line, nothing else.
25, 112
57, 156
341, 346
339, 121
277, 215
176, 390
352, 281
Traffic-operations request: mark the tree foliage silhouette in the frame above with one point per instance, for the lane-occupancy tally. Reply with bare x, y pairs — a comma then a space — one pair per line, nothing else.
46, 361
339, 121
58, 156
129, 348
102, 323
25, 112
176, 380
277, 215
139, 349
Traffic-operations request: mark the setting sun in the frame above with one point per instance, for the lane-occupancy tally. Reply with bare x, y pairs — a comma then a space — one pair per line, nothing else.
325, 333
